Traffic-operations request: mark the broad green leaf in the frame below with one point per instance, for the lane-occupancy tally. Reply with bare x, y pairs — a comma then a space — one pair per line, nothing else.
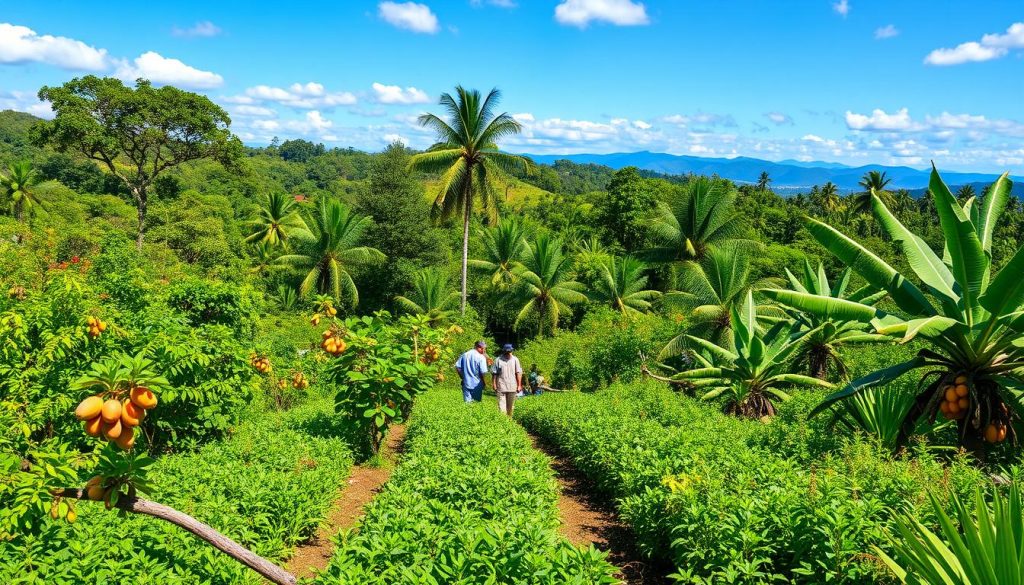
873, 269
823, 306
927, 327
876, 378
992, 208
1006, 291
968, 258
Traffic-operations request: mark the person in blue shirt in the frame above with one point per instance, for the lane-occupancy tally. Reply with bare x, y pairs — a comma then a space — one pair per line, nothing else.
471, 367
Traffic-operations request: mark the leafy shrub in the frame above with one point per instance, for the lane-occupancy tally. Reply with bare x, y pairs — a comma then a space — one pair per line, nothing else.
268, 488
472, 502
205, 302
699, 488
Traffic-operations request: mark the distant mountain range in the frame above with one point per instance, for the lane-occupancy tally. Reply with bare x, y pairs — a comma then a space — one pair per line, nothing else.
787, 175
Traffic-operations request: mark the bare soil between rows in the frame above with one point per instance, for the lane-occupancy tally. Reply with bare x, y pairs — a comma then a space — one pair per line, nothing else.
589, 519
363, 484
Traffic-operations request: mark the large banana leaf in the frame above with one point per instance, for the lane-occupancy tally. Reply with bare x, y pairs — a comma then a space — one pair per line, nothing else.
992, 207
927, 327
1006, 292
823, 306
876, 378
968, 258
925, 263
907, 296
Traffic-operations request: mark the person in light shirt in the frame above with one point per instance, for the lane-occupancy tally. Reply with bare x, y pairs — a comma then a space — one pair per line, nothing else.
507, 379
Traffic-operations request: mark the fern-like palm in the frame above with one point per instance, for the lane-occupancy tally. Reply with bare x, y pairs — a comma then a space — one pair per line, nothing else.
332, 251
430, 296
872, 182
622, 285
545, 285
707, 293
824, 336
277, 220
466, 156
504, 246
18, 186
692, 220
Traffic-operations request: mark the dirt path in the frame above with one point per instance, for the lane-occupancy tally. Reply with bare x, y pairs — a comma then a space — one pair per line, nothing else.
587, 519
363, 484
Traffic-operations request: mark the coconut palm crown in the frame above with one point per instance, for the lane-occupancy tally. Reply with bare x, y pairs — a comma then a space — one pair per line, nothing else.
467, 158
971, 318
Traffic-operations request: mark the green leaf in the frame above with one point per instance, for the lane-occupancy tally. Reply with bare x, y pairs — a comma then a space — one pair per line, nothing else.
928, 327
876, 378
992, 207
969, 261
823, 306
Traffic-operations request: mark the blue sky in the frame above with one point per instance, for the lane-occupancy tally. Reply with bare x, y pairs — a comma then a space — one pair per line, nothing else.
852, 81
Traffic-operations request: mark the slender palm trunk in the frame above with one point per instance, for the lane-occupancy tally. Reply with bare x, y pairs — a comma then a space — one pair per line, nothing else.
465, 243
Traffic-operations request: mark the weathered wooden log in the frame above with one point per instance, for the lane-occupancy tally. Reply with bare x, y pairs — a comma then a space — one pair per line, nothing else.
267, 569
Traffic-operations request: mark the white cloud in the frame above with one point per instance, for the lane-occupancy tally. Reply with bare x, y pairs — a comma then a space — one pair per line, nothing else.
166, 71
203, 28
700, 119
20, 44
886, 32
992, 46
581, 13
641, 125
317, 122
842, 7
779, 118
409, 15
23, 101
880, 120
304, 96
246, 110
394, 94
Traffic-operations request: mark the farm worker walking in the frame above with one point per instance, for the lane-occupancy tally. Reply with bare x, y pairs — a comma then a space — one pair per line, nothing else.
471, 367
508, 379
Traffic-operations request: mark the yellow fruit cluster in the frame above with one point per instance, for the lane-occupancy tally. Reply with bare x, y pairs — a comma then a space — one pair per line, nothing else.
95, 326
261, 363
315, 319
299, 381
58, 508
431, 353
955, 398
114, 420
333, 343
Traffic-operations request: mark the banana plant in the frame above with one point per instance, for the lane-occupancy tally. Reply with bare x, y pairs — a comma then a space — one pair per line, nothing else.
973, 369
985, 547
824, 336
753, 375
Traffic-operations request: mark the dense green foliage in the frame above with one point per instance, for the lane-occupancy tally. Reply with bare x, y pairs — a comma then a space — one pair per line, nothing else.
267, 487
720, 499
471, 502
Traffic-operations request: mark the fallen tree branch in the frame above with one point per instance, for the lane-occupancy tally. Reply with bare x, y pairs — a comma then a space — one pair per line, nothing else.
267, 569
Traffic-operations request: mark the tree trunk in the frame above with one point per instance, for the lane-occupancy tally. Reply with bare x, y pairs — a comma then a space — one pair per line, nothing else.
265, 568
465, 243
140, 203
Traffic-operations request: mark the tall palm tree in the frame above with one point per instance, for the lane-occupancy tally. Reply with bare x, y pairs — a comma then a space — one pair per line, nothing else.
467, 156
504, 246
333, 250
546, 285
277, 220
830, 199
763, 181
708, 292
694, 218
622, 285
964, 193
264, 259
18, 187
872, 181
430, 296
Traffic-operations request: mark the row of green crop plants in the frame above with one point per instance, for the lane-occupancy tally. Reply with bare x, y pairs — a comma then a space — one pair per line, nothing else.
471, 502
267, 487
731, 500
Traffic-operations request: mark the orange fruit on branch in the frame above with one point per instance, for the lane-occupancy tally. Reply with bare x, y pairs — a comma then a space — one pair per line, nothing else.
111, 411
143, 397
89, 408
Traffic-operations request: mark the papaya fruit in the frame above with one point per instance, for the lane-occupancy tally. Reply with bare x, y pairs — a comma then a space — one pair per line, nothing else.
961, 379
94, 426
89, 408
143, 397
951, 395
991, 433
113, 430
962, 390
111, 411
127, 439
95, 492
